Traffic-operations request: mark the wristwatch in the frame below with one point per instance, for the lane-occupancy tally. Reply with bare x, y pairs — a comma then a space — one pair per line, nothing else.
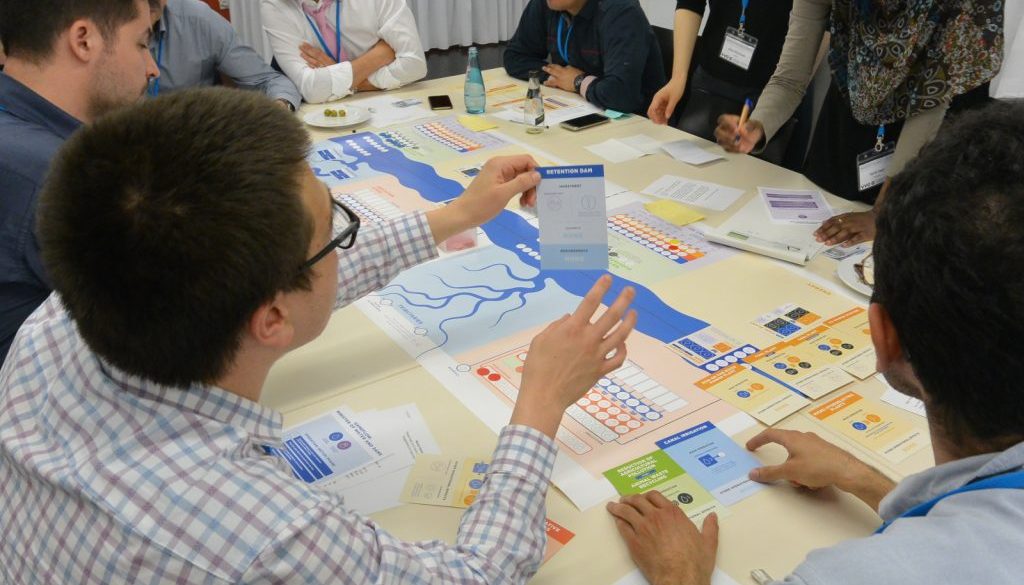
578, 82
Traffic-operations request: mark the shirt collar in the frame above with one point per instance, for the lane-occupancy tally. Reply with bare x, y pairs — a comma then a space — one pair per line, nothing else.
588, 11
942, 479
23, 103
263, 425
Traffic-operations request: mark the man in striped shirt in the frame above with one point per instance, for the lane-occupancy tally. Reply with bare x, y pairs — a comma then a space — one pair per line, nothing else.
191, 247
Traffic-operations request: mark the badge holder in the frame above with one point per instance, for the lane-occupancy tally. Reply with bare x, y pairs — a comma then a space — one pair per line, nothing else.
873, 164
738, 47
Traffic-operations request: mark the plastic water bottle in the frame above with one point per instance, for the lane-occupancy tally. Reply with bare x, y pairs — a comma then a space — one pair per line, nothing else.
533, 107
476, 96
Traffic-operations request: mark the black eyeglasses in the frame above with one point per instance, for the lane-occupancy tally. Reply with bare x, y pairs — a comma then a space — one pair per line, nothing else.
346, 237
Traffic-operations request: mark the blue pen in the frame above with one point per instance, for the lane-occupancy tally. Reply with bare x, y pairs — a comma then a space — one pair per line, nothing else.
747, 106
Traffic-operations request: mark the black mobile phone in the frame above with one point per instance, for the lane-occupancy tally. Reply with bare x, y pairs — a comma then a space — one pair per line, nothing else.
584, 122
440, 102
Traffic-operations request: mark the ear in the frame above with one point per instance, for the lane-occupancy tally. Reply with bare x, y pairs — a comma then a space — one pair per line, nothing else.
271, 326
886, 340
85, 40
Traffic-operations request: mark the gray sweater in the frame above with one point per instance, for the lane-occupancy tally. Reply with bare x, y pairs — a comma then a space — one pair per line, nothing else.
971, 538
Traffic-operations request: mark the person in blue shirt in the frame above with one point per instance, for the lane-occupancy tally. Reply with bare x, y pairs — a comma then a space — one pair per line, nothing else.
194, 46
946, 314
603, 50
68, 62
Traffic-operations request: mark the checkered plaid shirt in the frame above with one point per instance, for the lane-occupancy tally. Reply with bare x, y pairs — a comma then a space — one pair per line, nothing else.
107, 478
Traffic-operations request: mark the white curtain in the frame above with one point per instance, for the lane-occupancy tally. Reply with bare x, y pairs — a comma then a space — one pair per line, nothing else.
447, 23
245, 17
442, 23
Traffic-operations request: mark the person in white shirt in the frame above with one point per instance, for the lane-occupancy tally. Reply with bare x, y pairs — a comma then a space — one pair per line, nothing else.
333, 48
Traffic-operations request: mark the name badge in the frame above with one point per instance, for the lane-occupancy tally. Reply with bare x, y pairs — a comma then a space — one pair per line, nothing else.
873, 165
738, 48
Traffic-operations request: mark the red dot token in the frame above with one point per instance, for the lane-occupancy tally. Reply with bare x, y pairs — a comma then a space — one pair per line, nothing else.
483, 371
494, 377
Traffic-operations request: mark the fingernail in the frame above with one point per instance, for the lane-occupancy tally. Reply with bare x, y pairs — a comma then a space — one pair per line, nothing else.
753, 474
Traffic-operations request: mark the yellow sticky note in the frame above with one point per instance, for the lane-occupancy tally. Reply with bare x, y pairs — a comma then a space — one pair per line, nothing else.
477, 123
672, 212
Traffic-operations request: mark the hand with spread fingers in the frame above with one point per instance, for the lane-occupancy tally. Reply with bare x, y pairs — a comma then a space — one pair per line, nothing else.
566, 359
848, 229
666, 545
315, 57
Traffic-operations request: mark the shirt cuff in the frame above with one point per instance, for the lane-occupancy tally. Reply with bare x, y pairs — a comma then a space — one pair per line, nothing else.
341, 80
383, 79
526, 453
585, 86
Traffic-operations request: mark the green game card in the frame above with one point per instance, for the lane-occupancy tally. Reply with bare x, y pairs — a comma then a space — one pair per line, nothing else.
657, 471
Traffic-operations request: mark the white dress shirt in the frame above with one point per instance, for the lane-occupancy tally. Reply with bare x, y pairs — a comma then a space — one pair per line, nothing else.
363, 23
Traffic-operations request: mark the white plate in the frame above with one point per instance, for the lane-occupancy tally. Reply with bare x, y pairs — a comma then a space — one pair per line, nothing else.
848, 274
353, 116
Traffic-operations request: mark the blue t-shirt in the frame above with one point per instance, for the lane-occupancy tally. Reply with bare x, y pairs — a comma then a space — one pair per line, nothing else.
31, 131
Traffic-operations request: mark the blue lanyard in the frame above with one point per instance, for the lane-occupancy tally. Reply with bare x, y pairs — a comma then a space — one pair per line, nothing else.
880, 139
563, 50
154, 88
337, 32
1014, 480
742, 15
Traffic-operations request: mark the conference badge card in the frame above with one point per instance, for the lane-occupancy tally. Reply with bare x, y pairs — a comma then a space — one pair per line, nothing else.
573, 218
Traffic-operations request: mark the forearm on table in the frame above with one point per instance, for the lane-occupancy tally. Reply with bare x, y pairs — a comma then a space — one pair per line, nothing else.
866, 483
787, 86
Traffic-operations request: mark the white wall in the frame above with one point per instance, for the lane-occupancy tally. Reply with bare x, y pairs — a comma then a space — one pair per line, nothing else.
660, 12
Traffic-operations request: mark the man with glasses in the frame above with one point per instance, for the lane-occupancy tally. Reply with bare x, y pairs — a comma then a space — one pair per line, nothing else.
132, 446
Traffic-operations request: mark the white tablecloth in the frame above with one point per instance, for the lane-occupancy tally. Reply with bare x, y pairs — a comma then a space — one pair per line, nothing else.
442, 23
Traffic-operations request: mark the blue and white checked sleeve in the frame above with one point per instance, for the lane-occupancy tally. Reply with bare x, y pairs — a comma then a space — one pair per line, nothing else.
501, 539
381, 252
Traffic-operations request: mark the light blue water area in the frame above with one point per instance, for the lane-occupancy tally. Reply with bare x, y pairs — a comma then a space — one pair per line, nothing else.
457, 312
518, 238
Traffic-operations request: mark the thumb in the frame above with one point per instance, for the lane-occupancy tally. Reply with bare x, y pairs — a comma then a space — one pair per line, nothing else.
768, 473
521, 184
709, 533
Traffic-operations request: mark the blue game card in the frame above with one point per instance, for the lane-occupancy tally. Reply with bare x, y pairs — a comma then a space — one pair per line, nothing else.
573, 219
714, 460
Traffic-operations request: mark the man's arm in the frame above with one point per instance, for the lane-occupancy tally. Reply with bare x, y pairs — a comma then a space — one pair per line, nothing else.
623, 35
242, 64
383, 250
527, 50
317, 85
501, 536
398, 30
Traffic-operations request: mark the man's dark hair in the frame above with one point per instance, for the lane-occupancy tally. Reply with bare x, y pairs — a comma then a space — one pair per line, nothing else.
29, 29
164, 226
949, 269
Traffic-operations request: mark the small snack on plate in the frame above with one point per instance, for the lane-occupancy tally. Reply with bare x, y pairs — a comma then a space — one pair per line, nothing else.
332, 113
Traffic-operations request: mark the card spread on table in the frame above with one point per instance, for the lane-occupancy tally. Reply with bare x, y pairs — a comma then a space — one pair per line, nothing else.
573, 219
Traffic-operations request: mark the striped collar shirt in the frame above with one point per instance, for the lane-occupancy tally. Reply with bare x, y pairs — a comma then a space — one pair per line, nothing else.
108, 478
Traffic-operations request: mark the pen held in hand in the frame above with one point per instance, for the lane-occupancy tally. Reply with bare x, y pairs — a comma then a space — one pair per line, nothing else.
744, 115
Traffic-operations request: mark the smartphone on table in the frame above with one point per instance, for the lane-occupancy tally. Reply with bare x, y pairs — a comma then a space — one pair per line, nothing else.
584, 122
440, 102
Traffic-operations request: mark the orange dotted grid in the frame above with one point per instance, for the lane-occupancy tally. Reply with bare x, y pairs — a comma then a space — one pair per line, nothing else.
654, 239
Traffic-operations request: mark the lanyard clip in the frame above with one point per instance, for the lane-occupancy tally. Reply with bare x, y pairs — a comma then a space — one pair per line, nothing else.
880, 140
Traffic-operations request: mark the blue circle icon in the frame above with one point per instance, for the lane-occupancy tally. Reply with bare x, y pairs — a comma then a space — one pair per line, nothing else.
743, 394
860, 426
824, 347
336, 436
780, 366
476, 484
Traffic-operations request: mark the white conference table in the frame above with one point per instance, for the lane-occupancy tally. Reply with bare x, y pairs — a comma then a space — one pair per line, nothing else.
356, 364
